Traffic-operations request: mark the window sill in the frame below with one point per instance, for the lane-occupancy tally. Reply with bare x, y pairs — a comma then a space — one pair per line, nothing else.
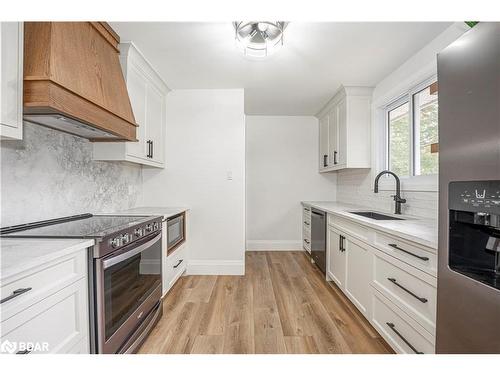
429, 183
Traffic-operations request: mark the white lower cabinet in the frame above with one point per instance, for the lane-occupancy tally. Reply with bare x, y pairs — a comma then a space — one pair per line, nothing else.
53, 325
358, 257
346, 257
82, 347
52, 316
176, 265
398, 329
409, 288
394, 292
336, 259
306, 228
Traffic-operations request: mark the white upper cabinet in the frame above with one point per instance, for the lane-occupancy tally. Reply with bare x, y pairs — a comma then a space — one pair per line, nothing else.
11, 80
323, 143
155, 114
148, 95
344, 135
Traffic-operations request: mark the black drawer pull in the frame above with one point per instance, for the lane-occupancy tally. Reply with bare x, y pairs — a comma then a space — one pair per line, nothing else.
407, 252
15, 294
306, 223
306, 241
25, 351
421, 299
179, 263
393, 327
341, 244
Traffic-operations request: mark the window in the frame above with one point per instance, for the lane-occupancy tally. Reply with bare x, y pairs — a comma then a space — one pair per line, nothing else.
412, 132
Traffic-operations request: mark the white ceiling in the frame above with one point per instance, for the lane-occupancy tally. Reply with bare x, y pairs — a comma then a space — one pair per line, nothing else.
299, 79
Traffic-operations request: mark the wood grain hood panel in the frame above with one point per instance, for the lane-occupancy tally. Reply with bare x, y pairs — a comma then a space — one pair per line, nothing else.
73, 80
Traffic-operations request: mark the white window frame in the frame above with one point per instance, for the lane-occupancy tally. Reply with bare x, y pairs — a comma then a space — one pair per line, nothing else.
412, 182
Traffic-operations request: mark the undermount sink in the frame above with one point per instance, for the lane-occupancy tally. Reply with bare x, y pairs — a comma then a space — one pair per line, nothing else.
375, 215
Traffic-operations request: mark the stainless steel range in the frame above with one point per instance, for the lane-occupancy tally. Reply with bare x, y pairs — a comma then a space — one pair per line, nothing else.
124, 274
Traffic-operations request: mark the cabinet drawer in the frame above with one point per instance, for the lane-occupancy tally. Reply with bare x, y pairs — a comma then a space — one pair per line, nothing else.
306, 242
43, 281
55, 324
397, 328
411, 290
306, 232
306, 212
306, 223
176, 264
424, 259
354, 229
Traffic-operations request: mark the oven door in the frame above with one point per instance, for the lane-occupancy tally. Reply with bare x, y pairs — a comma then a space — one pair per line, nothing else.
175, 232
128, 286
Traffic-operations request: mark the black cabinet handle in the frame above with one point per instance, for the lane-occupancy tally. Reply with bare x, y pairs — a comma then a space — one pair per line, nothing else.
307, 209
306, 241
393, 245
179, 263
306, 223
15, 293
393, 327
341, 243
25, 351
325, 160
393, 280
148, 155
334, 157
152, 149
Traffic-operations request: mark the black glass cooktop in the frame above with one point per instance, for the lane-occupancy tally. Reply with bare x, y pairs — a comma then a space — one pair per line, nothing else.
81, 226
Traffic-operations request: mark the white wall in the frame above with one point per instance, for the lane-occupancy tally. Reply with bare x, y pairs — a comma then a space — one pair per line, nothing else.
356, 186
205, 139
282, 170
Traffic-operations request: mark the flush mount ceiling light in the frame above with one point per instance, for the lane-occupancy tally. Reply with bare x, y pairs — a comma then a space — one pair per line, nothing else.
259, 39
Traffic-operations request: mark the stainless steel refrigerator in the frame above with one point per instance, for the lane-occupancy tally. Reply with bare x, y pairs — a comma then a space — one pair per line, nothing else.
468, 310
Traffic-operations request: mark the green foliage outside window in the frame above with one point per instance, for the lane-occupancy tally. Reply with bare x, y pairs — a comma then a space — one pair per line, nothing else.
426, 128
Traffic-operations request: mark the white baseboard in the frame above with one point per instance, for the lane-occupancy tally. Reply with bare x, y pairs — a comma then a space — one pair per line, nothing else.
273, 245
215, 267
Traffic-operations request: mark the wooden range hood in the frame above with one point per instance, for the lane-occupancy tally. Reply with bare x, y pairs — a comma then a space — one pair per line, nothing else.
73, 80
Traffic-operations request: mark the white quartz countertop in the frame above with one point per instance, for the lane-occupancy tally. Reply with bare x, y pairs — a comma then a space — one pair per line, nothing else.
420, 230
166, 212
20, 254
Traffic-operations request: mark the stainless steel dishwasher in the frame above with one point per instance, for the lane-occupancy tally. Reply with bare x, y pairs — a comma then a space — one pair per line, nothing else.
318, 238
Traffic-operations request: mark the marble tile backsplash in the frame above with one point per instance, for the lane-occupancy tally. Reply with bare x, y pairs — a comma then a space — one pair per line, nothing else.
356, 187
51, 174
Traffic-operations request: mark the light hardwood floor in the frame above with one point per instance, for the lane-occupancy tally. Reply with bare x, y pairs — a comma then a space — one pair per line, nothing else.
282, 305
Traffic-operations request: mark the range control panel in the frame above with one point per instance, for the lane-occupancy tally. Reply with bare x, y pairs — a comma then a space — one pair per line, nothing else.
475, 196
122, 238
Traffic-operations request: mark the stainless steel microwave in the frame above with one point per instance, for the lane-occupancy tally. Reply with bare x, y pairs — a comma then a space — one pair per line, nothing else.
176, 228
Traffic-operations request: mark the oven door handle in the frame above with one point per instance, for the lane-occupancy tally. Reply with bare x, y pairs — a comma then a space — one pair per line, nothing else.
129, 254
